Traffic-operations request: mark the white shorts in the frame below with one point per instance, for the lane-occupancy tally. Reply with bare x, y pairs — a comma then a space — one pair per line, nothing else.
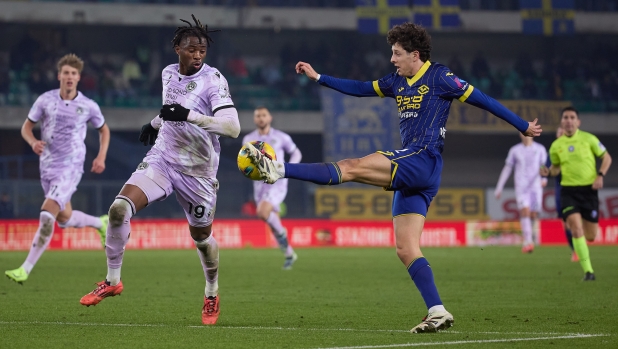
197, 196
271, 193
60, 186
531, 198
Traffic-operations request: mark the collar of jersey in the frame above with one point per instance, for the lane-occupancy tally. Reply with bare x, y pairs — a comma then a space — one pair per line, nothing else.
64, 100
574, 134
191, 76
419, 74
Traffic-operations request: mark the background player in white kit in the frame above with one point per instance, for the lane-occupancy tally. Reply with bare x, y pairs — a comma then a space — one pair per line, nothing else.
527, 158
64, 114
197, 110
268, 197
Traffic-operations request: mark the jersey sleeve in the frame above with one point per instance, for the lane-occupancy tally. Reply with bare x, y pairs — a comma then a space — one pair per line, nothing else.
553, 154
288, 144
218, 93
384, 86
37, 110
454, 87
96, 117
510, 158
597, 147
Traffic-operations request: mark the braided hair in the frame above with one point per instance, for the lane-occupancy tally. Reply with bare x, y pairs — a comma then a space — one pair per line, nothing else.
198, 30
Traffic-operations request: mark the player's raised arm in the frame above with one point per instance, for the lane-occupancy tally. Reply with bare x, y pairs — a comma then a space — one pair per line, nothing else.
455, 87
349, 87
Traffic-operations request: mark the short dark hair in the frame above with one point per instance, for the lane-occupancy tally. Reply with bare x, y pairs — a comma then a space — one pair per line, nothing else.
198, 30
412, 37
570, 108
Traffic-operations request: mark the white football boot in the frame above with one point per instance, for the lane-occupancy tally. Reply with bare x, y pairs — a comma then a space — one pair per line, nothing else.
270, 170
434, 322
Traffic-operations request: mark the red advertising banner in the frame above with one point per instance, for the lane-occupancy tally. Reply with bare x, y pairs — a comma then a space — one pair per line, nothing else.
17, 235
552, 232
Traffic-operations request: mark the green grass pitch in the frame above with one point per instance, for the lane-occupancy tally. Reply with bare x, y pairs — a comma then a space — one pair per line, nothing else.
333, 298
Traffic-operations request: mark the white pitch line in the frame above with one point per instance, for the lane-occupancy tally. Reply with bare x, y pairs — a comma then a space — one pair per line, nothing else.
480, 341
274, 328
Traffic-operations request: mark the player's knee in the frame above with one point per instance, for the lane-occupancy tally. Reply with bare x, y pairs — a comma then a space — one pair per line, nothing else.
263, 214
118, 212
201, 235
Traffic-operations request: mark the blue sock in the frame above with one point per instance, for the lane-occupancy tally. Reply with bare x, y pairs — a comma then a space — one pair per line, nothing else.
569, 237
421, 274
319, 173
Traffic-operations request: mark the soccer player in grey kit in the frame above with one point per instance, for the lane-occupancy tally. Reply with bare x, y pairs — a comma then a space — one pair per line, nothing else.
197, 110
64, 114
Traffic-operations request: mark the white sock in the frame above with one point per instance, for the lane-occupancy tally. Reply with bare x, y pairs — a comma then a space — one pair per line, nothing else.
113, 276
436, 308
526, 230
212, 289
27, 266
280, 168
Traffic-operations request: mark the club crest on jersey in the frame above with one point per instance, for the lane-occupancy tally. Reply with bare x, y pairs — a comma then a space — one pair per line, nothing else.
571, 149
79, 110
191, 86
142, 166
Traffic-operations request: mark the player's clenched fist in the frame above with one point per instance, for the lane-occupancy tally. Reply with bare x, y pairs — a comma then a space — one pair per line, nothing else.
38, 146
307, 69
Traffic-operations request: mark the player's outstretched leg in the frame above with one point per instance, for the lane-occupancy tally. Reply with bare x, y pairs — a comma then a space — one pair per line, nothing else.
270, 170
326, 173
118, 232
80, 219
39, 244
208, 251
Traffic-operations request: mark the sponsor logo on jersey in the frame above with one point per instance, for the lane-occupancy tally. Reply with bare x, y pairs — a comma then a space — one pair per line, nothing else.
191, 86
408, 114
142, 166
571, 149
401, 89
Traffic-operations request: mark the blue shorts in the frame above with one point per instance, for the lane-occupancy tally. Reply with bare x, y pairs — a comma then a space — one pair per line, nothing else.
415, 179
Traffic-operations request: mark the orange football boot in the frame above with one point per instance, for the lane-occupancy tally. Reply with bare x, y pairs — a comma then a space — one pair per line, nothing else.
529, 248
210, 311
102, 291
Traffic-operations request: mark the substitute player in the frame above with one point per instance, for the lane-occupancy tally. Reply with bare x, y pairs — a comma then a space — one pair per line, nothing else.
64, 114
269, 197
423, 91
197, 110
526, 158
574, 156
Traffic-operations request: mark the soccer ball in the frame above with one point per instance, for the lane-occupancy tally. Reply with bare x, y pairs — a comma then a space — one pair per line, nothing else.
246, 166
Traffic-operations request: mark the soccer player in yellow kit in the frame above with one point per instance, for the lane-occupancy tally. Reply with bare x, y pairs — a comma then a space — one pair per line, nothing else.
574, 156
